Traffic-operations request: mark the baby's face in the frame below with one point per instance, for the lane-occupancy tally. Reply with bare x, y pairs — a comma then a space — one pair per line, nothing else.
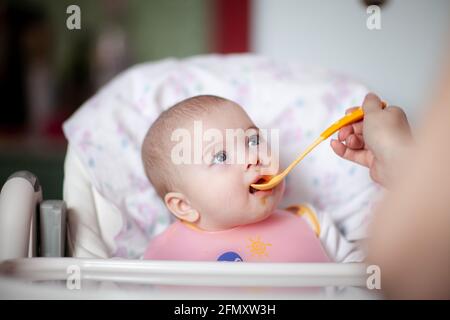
219, 187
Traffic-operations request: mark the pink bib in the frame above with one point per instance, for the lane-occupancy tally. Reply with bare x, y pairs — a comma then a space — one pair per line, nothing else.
282, 237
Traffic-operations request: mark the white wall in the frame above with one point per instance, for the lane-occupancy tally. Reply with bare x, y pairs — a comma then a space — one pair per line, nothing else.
399, 61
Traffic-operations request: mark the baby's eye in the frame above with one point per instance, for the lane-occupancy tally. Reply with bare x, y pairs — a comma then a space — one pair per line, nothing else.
253, 140
219, 157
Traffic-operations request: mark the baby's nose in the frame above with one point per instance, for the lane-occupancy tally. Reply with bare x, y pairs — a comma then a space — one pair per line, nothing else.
264, 164
256, 164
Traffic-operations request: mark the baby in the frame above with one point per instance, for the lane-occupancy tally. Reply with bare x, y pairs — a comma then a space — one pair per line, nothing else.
220, 217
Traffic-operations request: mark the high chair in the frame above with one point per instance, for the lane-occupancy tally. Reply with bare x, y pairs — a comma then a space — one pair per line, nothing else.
74, 248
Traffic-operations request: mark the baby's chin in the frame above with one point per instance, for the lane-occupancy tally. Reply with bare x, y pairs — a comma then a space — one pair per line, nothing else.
262, 213
272, 201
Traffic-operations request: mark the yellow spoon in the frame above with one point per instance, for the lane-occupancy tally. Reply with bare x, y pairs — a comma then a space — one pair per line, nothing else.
352, 117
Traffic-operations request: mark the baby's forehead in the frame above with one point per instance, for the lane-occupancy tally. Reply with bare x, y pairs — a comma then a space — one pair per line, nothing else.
226, 117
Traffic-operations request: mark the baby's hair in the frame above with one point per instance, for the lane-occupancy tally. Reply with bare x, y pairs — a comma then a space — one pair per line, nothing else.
156, 147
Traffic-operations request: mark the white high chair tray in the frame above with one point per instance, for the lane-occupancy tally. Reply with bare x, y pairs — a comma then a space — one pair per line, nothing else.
42, 278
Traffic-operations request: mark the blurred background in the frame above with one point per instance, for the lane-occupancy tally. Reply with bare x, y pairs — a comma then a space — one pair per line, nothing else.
47, 71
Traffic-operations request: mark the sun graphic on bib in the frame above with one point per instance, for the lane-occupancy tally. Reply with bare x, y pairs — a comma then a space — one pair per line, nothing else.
258, 248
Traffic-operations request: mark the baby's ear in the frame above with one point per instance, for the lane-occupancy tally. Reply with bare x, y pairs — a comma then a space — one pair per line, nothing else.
180, 206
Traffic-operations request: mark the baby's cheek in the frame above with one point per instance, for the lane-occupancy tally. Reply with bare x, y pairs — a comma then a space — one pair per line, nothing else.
214, 195
218, 192
280, 192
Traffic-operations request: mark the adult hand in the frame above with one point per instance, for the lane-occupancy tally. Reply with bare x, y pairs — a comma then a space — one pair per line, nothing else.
377, 141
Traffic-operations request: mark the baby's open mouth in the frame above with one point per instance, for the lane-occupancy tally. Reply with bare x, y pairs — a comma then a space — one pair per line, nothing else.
259, 181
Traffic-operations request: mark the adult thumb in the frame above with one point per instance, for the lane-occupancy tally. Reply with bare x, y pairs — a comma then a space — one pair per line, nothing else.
372, 103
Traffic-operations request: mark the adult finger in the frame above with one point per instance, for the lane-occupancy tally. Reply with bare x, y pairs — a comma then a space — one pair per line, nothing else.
357, 156
344, 132
372, 103
354, 142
